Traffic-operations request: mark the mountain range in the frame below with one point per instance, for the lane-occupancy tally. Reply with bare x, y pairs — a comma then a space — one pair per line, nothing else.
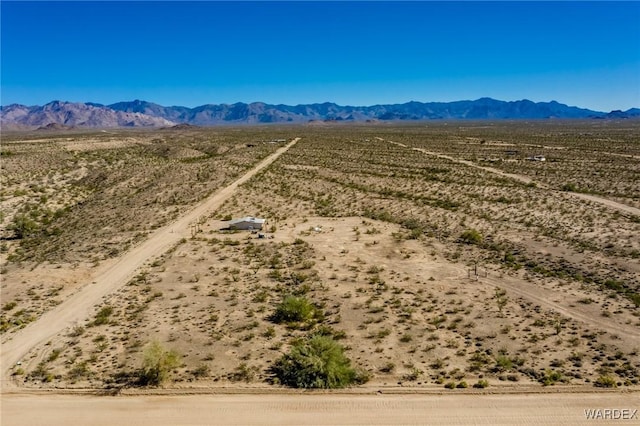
59, 114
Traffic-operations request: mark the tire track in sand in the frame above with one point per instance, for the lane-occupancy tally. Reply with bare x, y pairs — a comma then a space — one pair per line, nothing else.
112, 276
524, 179
318, 409
544, 298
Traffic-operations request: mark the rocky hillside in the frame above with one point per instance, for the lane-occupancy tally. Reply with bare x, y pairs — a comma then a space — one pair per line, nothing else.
147, 114
74, 115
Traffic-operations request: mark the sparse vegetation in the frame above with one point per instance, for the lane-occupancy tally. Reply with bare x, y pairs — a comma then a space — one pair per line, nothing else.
157, 364
605, 381
316, 362
426, 270
294, 310
471, 236
481, 384
102, 317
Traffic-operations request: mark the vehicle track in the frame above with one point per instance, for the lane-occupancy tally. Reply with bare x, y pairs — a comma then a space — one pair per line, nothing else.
317, 409
524, 179
112, 276
545, 296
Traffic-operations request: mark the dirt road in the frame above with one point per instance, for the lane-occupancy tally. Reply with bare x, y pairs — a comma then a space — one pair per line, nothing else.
545, 297
526, 180
113, 275
606, 202
314, 409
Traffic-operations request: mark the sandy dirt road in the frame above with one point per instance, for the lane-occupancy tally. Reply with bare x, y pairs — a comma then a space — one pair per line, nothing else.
545, 297
608, 203
113, 275
526, 180
314, 409
542, 296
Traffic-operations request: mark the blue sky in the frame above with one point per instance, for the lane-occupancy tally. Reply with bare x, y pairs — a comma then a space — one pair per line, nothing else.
352, 53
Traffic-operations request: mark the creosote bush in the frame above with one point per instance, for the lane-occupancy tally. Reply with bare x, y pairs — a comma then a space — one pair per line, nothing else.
294, 309
605, 381
102, 317
481, 384
316, 362
471, 236
157, 364
23, 226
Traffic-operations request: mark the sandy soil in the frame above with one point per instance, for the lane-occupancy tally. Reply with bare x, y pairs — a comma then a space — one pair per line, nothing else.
526, 180
546, 409
113, 275
342, 257
95, 144
549, 299
330, 244
606, 202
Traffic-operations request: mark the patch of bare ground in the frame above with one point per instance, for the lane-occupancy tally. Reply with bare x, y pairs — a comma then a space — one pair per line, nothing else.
70, 211
323, 409
431, 274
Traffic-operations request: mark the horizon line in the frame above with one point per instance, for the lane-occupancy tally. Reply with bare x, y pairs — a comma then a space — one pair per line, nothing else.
311, 103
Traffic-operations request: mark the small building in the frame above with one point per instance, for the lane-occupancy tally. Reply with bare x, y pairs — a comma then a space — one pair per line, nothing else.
247, 223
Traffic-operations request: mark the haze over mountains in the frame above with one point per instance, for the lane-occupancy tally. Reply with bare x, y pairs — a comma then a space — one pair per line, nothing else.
139, 113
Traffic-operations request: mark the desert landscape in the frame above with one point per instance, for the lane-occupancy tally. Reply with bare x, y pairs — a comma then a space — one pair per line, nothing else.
450, 261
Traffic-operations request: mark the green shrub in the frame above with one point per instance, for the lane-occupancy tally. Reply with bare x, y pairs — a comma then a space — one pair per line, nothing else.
42, 373
471, 236
387, 368
605, 381
77, 331
294, 309
9, 306
202, 370
316, 362
79, 371
550, 378
437, 364
269, 333
406, 338
326, 330
481, 384
54, 355
243, 373
102, 317
157, 364
413, 375
23, 226
503, 363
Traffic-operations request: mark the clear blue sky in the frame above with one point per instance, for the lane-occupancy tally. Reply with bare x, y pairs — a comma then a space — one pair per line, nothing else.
352, 53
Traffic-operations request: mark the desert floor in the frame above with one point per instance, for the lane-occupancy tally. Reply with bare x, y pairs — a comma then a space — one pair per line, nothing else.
470, 284
313, 409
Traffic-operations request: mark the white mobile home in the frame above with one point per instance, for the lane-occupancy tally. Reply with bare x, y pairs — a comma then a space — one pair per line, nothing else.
247, 223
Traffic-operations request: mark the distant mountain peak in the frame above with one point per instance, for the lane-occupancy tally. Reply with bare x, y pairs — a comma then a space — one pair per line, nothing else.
57, 115
141, 113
